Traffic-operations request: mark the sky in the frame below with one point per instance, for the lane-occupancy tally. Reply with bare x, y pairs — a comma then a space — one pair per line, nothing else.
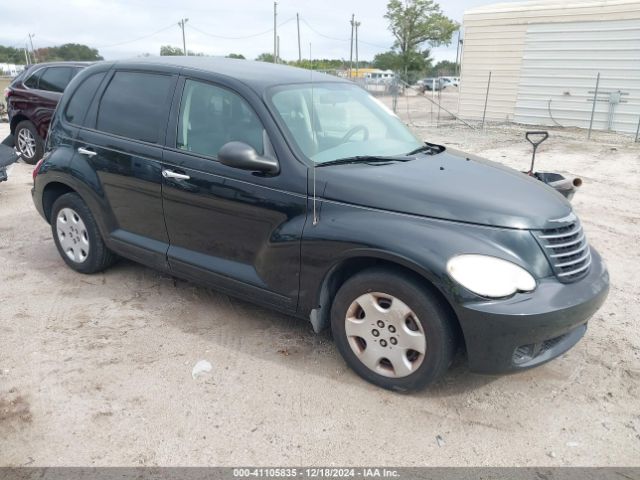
128, 28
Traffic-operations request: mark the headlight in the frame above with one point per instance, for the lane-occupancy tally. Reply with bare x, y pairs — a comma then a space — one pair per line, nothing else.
490, 276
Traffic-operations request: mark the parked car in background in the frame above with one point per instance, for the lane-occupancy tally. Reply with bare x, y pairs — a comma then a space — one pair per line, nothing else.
451, 81
31, 100
431, 84
292, 190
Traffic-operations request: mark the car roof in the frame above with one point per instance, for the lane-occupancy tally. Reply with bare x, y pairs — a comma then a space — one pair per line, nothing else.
59, 64
258, 75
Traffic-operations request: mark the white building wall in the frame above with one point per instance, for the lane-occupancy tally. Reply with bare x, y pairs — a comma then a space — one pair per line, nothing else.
513, 39
559, 71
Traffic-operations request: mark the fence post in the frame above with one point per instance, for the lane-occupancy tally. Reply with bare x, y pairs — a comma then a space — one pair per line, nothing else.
486, 99
439, 102
395, 86
593, 109
637, 131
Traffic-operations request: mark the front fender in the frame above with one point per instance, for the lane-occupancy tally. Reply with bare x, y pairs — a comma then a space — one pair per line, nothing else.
345, 232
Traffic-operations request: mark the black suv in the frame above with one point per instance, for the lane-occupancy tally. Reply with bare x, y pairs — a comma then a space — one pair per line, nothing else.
31, 100
305, 194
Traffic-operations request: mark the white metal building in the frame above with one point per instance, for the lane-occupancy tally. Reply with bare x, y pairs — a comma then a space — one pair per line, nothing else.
544, 57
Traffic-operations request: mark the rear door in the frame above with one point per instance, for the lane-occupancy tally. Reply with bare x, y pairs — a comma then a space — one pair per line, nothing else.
123, 147
233, 229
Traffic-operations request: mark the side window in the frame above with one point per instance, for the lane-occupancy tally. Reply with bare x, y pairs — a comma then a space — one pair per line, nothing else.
55, 79
33, 80
133, 105
81, 99
211, 116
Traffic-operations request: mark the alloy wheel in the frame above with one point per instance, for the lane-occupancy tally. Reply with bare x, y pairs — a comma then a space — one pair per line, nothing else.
26, 143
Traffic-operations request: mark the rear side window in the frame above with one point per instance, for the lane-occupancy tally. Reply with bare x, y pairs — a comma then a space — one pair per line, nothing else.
81, 99
134, 105
33, 80
55, 79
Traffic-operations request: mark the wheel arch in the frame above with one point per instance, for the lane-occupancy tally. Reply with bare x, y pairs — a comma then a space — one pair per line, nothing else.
51, 192
345, 268
15, 120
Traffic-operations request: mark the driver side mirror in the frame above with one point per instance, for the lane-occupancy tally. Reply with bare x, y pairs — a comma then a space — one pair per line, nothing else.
243, 156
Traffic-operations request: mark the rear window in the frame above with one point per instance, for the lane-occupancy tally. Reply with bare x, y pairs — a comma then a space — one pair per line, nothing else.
55, 79
81, 99
134, 105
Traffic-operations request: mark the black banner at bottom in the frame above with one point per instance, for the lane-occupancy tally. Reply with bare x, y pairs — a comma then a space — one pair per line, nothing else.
318, 473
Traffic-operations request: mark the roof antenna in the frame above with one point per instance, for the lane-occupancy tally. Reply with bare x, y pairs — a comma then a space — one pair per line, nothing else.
316, 219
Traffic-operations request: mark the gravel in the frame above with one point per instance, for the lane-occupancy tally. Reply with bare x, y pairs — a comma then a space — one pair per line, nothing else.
96, 370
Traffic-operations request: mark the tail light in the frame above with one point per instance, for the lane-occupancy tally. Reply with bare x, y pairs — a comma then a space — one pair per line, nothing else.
37, 168
7, 92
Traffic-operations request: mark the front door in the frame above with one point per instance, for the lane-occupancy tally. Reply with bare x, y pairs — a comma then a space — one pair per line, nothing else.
230, 228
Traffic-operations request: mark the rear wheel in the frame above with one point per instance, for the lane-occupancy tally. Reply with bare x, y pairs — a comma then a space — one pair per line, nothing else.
392, 330
28, 143
77, 237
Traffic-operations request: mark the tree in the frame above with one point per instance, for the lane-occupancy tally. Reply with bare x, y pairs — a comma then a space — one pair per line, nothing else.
265, 57
414, 23
321, 64
67, 52
236, 55
169, 51
12, 55
388, 61
443, 68
417, 65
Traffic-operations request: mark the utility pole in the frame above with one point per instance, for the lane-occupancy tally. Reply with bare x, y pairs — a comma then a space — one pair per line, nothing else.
299, 49
357, 25
351, 49
26, 54
457, 54
275, 33
33, 52
278, 49
184, 41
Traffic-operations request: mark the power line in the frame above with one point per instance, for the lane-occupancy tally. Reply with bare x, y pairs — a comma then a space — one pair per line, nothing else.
138, 38
253, 35
339, 39
322, 34
20, 44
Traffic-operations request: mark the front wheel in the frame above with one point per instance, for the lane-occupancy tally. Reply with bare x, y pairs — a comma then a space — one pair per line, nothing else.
28, 143
392, 330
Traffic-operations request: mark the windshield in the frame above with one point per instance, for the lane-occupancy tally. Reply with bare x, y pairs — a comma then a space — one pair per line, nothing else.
331, 121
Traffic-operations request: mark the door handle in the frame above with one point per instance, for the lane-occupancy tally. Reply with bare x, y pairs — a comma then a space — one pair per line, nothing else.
87, 152
172, 174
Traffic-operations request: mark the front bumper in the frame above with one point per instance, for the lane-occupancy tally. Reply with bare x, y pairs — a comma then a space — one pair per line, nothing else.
527, 330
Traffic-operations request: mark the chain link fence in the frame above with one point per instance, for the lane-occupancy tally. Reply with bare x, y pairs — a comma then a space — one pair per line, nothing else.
597, 107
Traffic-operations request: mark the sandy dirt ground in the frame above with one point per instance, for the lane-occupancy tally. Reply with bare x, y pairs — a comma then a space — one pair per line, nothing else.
97, 370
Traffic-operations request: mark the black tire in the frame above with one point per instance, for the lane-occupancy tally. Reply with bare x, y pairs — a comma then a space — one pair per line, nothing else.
98, 256
436, 320
39, 142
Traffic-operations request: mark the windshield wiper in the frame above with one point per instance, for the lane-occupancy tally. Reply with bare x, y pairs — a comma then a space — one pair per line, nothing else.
363, 159
428, 147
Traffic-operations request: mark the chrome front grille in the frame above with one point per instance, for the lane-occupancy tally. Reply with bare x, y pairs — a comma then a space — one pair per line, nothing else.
567, 249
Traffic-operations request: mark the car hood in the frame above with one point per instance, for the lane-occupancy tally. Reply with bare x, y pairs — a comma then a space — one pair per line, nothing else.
450, 185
